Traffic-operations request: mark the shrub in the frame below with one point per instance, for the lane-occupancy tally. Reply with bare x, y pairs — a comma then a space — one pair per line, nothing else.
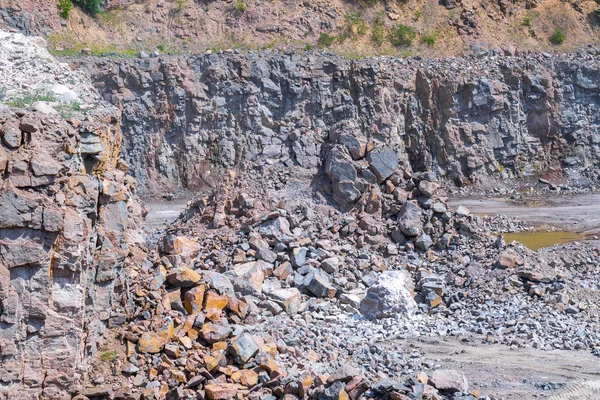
65, 7
402, 35
161, 48
418, 14
325, 39
355, 25
180, 5
527, 21
428, 39
309, 47
378, 30
558, 37
240, 6
92, 7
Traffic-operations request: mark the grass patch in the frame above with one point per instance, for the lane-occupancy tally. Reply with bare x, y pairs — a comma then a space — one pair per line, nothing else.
527, 21
325, 39
378, 30
180, 4
109, 356
402, 35
67, 110
355, 26
558, 37
29, 99
428, 39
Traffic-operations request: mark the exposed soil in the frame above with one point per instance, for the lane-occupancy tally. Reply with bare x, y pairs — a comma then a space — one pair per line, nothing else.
510, 374
579, 213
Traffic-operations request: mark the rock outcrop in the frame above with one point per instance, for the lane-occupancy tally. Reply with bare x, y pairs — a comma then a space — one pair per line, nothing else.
461, 119
68, 224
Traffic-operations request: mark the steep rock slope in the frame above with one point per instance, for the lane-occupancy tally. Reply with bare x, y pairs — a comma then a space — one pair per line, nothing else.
462, 119
68, 222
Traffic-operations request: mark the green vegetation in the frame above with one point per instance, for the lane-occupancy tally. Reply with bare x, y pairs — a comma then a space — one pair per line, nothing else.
378, 30
325, 39
180, 4
240, 6
67, 110
402, 35
418, 15
558, 37
355, 26
65, 7
109, 356
527, 21
161, 48
92, 7
428, 39
29, 99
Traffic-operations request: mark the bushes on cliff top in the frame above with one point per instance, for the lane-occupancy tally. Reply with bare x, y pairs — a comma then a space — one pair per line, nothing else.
92, 7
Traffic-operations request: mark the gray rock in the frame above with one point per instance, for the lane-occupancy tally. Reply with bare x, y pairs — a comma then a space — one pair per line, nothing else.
383, 163
390, 296
409, 219
243, 348
449, 380
318, 283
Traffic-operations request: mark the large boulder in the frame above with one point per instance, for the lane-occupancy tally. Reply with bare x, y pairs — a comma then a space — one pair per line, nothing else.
449, 380
383, 163
389, 296
409, 219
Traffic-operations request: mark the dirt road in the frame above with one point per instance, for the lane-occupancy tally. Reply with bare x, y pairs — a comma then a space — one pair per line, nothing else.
511, 374
569, 212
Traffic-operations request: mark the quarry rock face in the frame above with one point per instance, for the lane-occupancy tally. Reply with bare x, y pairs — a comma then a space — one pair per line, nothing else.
460, 119
68, 222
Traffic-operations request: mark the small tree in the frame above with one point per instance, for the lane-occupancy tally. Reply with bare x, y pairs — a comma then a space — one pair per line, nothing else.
402, 35
92, 7
65, 7
558, 37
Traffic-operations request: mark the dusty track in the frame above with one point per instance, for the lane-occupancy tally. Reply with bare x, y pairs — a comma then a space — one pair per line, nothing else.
516, 374
576, 212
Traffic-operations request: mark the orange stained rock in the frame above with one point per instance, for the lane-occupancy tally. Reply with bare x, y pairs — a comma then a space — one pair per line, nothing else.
214, 304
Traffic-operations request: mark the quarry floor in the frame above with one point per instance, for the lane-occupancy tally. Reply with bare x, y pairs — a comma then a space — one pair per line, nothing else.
495, 370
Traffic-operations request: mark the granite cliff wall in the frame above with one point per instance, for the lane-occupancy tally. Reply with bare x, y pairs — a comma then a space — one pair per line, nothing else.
500, 116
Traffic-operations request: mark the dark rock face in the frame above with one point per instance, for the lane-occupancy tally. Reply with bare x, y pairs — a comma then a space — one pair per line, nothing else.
460, 118
67, 219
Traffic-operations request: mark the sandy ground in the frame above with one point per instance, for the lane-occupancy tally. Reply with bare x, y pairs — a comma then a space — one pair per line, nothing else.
579, 213
510, 374
160, 214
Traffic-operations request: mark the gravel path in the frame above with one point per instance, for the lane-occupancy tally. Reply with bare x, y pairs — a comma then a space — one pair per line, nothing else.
574, 212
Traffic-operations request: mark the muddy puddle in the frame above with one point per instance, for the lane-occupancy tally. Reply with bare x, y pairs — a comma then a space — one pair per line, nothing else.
539, 239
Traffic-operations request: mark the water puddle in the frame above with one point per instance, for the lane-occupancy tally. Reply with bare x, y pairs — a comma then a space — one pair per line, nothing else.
540, 239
